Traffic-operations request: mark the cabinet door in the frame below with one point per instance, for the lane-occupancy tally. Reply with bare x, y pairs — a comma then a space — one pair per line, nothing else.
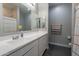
23, 50
46, 41
33, 51
42, 44
30, 52
36, 48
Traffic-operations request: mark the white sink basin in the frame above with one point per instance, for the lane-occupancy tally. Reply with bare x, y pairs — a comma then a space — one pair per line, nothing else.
12, 41
6, 42
28, 36
3, 44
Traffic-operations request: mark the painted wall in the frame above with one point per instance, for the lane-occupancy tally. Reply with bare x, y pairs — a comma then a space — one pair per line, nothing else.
34, 15
43, 13
41, 10
60, 14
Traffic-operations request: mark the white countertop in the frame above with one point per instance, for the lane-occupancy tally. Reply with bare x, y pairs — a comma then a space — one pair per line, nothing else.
10, 45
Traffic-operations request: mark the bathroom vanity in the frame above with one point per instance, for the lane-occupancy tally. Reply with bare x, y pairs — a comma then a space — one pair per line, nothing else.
23, 17
32, 44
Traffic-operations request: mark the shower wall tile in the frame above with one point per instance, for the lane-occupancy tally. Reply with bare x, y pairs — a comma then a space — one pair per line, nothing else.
76, 29
75, 44
76, 39
73, 54
74, 47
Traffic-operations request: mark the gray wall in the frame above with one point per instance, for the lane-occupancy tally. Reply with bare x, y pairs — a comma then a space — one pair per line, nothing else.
60, 14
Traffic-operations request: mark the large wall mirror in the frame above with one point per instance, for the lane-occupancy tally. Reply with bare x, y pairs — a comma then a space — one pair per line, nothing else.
16, 17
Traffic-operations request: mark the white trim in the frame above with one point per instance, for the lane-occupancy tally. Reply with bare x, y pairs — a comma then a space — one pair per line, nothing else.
59, 44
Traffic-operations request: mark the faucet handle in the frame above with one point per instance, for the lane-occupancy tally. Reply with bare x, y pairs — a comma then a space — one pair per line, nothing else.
15, 37
21, 34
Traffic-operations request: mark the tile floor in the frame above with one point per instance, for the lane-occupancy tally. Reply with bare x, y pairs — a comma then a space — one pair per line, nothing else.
57, 51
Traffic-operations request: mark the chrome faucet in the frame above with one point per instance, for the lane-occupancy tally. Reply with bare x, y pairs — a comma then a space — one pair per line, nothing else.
15, 37
21, 34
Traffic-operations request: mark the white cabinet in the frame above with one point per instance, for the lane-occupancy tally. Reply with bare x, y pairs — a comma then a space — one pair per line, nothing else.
33, 51
30, 52
35, 48
43, 43
22, 50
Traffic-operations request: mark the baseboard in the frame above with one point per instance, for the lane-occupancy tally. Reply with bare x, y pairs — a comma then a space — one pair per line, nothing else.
59, 44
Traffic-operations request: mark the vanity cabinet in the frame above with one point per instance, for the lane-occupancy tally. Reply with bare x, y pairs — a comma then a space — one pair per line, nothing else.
33, 51
43, 44
26, 50
34, 48
30, 53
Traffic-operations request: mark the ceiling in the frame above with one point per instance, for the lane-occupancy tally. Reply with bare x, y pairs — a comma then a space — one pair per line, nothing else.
9, 5
55, 4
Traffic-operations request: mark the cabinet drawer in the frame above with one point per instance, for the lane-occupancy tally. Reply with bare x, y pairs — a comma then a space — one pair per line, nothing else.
36, 48
30, 52
23, 50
